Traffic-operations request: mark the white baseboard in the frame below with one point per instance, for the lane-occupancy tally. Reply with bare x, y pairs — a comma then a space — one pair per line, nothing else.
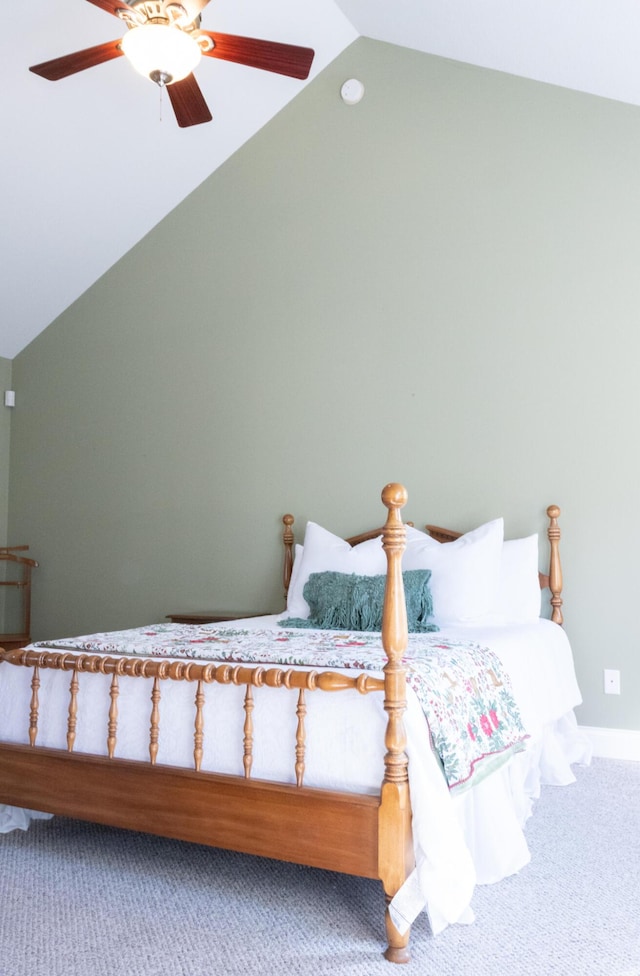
613, 743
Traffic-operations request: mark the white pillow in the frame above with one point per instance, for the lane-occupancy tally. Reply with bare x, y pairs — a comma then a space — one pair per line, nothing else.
295, 573
518, 596
464, 573
324, 551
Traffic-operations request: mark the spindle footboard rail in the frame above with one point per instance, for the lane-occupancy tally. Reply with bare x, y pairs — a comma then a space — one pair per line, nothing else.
199, 674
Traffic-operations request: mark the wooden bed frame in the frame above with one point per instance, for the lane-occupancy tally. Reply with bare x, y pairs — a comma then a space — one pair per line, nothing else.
364, 835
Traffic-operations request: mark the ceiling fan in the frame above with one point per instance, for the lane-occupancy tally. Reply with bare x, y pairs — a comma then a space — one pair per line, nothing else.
164, 42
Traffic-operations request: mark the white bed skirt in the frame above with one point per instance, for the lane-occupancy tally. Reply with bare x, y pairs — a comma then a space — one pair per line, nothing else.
15, 818
494, 814
490, 819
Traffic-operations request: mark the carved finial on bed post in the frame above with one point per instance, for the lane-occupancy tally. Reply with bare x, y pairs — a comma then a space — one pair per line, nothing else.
288, 540
394, 840
394, 617
555, 568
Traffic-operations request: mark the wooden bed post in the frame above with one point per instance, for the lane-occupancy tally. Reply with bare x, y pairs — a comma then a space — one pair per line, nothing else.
287, 539
555, 568
395, 857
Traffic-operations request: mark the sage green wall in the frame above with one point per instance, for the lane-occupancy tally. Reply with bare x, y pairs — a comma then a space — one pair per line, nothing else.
438, 286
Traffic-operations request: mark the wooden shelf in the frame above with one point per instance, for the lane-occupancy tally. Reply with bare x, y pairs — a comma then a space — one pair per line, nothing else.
8, 554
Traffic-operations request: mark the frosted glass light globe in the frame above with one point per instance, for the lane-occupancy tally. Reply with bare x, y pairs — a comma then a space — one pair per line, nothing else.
161, 52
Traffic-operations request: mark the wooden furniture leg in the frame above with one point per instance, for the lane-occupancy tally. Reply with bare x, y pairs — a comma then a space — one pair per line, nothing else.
395, 857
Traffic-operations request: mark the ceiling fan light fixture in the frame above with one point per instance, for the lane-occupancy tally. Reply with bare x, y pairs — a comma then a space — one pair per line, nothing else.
161, 52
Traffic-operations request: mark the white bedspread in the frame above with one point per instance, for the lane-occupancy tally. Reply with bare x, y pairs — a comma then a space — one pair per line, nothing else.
475, 837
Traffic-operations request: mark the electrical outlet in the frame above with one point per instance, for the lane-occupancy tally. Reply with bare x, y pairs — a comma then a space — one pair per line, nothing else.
611, 682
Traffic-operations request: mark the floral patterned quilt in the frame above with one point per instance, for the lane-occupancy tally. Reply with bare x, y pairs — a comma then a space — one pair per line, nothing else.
462, 687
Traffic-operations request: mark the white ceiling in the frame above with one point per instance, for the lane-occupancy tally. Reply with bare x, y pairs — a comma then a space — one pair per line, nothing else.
77, 187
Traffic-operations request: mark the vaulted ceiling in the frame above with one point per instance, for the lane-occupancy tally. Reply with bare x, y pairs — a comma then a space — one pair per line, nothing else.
90, 164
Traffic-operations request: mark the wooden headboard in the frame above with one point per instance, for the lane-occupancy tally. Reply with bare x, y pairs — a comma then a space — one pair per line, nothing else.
551, 580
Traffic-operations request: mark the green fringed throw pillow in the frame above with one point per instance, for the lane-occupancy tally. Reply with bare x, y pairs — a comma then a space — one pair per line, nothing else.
345, 601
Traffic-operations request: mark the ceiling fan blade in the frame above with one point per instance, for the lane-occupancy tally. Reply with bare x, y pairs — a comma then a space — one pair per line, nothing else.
111, 6
188, 102
78, 61
284, 59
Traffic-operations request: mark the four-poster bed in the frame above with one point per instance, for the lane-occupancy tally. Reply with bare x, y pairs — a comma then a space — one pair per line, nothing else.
356, 830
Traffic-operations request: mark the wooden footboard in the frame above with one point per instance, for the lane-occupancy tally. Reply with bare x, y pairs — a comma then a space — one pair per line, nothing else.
368, 836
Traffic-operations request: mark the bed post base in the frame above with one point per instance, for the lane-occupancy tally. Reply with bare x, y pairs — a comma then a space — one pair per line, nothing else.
398, 945
395, 860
